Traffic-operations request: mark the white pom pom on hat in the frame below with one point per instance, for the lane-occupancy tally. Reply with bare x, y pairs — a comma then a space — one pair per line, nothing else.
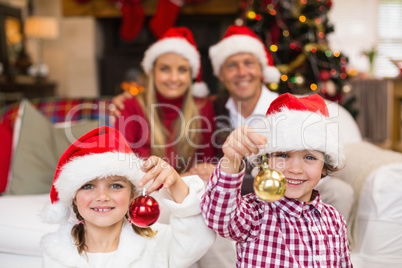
100, 153
178, 40
241, 39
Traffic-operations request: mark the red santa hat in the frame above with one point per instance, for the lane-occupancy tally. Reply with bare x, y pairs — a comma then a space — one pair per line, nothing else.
178, 40
241, 39
293, 124
100, 153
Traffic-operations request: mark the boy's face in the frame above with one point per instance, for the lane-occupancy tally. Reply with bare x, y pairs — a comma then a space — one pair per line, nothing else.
302, 169
104, 202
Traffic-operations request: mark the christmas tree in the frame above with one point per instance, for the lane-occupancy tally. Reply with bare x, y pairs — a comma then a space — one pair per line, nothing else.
295, 32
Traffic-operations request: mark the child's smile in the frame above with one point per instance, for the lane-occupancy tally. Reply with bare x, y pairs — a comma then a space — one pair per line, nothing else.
104, 202
302, 169
102, 209
294, 182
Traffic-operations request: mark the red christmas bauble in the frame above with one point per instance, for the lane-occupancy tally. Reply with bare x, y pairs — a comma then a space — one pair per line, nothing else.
144, 210
324, 75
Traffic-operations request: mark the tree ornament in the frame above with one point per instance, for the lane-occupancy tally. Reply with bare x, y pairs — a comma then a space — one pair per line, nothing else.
346, 88
331, 88
144, 210
324, 75
269, 184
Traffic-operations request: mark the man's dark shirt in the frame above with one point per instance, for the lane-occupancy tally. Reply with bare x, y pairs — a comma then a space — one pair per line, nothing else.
223, 128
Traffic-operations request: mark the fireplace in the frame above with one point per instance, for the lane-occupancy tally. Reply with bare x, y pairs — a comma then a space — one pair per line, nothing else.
117, 59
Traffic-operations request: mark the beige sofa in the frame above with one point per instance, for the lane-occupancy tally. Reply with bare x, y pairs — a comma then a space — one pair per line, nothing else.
375, 225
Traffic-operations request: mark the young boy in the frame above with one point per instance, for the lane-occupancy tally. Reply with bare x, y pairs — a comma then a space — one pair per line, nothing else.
298, 230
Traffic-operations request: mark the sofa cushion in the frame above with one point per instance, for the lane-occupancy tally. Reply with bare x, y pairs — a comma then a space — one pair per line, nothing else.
39, 145
21, 226
58, 109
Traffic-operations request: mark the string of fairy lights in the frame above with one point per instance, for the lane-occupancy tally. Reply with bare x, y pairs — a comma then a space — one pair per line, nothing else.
295, 32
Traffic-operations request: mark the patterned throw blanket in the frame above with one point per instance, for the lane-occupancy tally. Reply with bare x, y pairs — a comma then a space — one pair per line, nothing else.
362, 159
56, 110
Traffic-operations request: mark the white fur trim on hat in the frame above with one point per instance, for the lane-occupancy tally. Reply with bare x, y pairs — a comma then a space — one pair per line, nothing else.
293, 130
83, 169
176, 45
200, 90
271, 74
240, 43
55, 213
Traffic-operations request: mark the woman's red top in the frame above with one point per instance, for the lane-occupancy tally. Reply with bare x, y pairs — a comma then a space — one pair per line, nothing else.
134, 125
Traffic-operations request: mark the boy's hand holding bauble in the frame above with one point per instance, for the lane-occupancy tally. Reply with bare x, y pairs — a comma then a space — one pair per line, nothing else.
242, 142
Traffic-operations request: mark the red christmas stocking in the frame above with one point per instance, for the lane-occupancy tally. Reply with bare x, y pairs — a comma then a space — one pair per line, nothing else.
133, 17
165, 17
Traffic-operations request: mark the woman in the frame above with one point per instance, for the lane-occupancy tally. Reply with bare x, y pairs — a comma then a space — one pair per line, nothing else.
165, 119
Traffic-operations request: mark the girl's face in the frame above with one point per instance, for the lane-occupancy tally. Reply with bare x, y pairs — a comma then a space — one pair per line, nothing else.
302, 169
104, 202
172, 75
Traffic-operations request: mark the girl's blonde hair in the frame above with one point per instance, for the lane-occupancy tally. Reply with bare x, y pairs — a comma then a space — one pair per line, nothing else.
184, 149
78, 230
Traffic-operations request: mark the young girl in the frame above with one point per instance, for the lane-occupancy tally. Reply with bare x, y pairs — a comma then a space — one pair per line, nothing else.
166, 119
97, 178
298, 230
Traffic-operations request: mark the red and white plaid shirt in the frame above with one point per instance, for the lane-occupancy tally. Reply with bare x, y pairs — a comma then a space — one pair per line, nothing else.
285, 233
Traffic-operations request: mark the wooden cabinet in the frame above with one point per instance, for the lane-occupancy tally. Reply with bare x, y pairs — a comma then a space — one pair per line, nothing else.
374, 104
379, 102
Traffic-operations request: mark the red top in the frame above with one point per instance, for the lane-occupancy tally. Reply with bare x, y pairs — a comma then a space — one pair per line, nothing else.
134, 125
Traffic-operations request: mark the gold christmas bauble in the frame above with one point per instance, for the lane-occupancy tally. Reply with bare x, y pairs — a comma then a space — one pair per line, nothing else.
269, 184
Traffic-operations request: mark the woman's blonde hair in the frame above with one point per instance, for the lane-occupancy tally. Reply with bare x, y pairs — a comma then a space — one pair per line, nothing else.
78, 230
184, 149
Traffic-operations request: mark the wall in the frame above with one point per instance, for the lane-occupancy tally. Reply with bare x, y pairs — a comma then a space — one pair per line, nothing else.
355, 24
71, 58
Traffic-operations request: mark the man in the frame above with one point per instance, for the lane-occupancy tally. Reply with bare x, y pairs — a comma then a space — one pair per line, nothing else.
241, 62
